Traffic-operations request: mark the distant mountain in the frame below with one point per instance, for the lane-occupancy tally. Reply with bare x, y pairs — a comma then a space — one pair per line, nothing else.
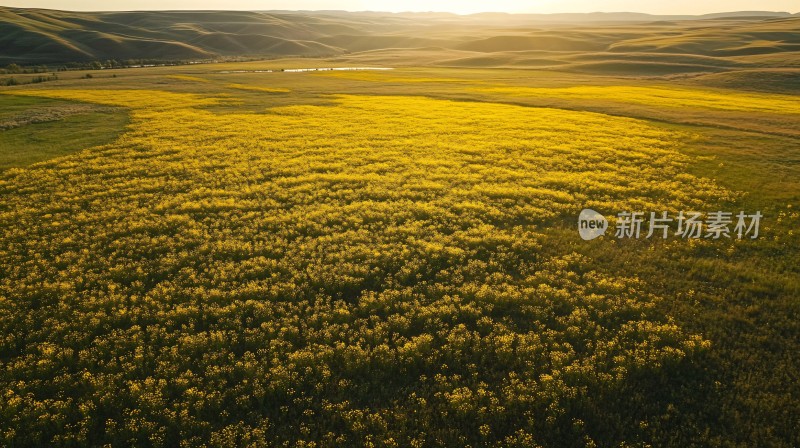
37, 36
745, 14
623, 16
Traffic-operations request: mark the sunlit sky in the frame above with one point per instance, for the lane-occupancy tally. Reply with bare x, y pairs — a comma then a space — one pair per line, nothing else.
456, 6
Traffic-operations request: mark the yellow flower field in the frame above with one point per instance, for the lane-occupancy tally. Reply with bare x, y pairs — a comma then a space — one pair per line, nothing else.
669, 97
368, 263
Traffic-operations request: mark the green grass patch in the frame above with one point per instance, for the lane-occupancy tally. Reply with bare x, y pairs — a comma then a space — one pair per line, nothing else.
44, 129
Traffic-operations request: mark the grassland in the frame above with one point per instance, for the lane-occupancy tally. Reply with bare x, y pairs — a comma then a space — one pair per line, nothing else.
390, 259
36, 129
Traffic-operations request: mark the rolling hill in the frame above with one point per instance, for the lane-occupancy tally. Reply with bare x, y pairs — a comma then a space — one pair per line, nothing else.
38, 36
616, 44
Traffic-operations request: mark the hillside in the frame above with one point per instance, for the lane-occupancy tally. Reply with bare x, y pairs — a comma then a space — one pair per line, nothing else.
39, 36
637, 44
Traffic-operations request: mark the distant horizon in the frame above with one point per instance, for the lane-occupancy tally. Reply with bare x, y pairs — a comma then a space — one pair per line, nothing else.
760, 11
464, 8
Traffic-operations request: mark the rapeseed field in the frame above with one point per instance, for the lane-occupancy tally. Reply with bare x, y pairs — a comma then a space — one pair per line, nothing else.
372, 271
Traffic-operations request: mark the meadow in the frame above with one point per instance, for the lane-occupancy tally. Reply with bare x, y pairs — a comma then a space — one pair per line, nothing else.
211, 256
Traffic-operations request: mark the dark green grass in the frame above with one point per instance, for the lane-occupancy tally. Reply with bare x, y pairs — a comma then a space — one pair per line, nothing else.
11, 106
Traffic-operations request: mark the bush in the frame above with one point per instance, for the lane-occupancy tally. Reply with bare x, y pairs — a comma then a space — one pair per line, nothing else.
38, 79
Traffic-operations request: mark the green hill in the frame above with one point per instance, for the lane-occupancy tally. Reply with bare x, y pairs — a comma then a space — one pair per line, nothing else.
621, 44
40, 36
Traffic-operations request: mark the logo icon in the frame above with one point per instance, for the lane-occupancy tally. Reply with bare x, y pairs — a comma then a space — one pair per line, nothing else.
591, 224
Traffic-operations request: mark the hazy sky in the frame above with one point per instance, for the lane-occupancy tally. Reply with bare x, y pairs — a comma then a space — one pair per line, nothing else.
457, 6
